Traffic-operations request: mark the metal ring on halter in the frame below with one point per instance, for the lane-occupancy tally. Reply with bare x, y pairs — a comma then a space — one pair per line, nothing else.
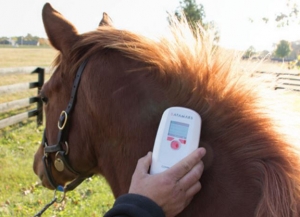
56, 154
65, 120
62, 199
67, 147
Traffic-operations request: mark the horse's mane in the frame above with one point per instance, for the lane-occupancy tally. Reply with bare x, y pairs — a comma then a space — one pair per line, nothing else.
230, 109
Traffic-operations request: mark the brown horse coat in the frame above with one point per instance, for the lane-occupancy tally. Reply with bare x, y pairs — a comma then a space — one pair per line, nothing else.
251, 169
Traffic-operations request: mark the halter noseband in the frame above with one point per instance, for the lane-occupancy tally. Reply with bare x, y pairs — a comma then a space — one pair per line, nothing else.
61, 159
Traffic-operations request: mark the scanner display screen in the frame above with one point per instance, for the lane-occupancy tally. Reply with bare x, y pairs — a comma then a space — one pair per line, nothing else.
178, 129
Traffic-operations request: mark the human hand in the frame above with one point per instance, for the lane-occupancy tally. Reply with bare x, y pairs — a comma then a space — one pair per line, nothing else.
172, 189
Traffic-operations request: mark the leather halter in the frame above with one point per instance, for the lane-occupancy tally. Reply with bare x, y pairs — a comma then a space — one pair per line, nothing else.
58, 147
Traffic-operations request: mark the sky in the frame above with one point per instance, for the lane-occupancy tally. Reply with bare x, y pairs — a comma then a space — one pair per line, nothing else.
20, 17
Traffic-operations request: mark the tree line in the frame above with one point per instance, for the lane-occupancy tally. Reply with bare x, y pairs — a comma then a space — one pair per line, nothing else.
284, 51
24, 40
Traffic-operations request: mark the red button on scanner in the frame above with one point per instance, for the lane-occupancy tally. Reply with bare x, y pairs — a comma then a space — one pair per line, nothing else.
183, 141
170, 138
175, 145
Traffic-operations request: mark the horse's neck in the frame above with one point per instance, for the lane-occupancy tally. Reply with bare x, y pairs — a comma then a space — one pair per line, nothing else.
117, 169
127, 108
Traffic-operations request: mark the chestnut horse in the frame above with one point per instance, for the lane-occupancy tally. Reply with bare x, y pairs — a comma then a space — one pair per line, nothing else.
116, 104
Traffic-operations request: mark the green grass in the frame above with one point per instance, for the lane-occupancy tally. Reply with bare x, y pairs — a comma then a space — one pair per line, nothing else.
20, 191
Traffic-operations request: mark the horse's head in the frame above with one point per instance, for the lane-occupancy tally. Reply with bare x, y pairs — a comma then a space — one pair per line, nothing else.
60, 159
94, 122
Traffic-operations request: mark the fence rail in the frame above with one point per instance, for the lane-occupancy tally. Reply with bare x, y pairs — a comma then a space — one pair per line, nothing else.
290, 82
281, 80
17, 87
22, 103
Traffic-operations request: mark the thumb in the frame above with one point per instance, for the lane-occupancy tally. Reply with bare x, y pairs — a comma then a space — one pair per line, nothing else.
144, 164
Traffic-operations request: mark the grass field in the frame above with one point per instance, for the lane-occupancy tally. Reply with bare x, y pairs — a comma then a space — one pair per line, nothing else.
22, 56
20, 191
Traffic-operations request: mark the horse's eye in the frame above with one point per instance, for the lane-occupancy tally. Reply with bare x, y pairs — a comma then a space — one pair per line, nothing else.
44, 99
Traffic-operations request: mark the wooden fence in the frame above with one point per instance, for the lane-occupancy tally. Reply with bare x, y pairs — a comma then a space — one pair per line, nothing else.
280, 80
289, 82
22, 103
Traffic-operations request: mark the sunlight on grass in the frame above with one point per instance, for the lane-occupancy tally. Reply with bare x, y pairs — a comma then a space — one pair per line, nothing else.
19, 78
18, 57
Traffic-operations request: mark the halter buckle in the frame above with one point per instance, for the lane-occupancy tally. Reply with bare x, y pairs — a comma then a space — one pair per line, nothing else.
45, 153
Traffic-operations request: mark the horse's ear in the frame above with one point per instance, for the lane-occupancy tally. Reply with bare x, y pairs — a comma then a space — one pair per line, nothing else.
61, 33
106, 20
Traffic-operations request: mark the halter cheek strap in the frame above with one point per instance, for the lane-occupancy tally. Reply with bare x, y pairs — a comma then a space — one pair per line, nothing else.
63, 119
61, 154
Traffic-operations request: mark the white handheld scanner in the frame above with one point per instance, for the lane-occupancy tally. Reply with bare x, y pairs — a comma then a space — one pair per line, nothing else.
177, 136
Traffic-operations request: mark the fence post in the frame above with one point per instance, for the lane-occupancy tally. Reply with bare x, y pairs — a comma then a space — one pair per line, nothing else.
41, 77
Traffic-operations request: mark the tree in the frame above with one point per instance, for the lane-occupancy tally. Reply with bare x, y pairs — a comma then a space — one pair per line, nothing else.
249, 52
298, 61
289, 14
284, 19
195, 14
283, 49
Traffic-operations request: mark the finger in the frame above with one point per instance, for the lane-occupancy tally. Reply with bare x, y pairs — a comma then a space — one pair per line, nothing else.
143, 164
194, 189
192, 176
185, 165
